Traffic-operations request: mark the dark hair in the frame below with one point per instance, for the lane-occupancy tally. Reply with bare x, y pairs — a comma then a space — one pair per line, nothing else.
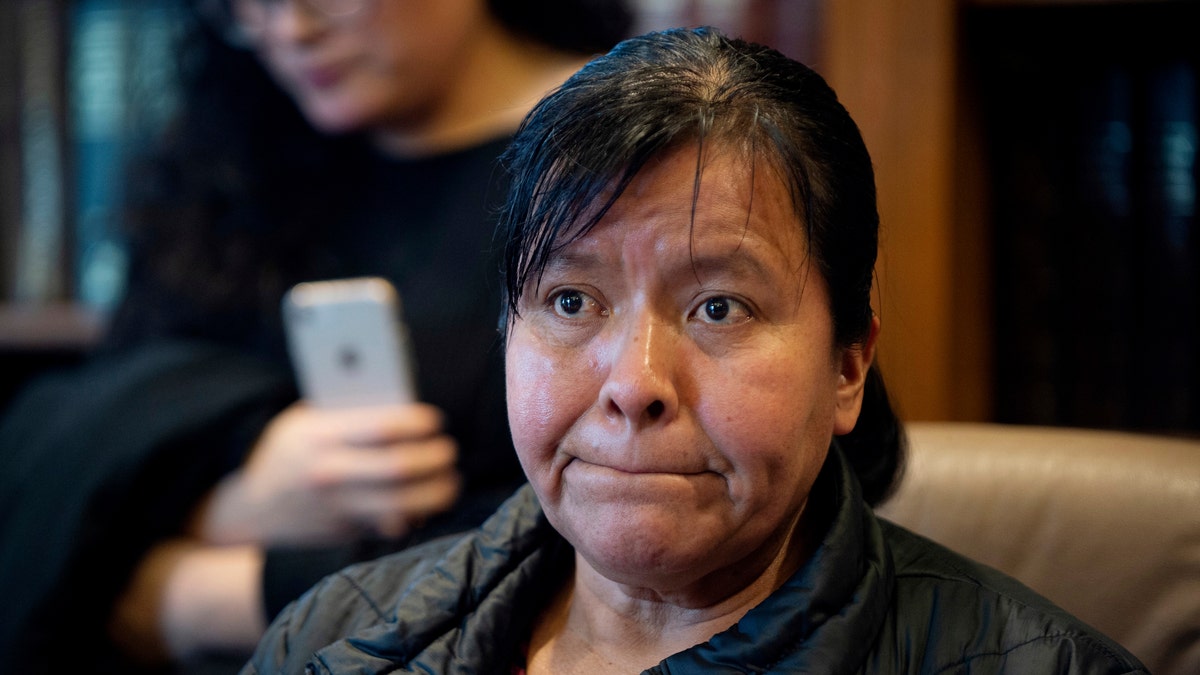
581, 146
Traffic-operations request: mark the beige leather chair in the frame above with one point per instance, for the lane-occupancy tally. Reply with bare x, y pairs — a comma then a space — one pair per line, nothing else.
1105, 524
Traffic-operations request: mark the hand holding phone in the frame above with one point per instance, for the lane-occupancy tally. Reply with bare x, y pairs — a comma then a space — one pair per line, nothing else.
327, 475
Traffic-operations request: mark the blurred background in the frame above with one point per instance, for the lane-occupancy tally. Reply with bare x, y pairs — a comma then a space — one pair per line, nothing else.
1035, 159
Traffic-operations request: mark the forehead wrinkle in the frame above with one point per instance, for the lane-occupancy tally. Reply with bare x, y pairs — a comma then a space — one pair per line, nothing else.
739, 263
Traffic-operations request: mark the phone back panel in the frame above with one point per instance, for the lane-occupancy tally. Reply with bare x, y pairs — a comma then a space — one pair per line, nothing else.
348, 344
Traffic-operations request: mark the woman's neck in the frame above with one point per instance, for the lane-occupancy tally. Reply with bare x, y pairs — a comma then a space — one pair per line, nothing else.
597, 625
501, 78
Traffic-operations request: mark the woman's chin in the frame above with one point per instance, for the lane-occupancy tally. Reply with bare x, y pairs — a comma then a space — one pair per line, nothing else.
643, 550
334, 118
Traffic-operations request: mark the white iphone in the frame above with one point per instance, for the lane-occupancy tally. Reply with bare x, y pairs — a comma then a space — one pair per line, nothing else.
348, 343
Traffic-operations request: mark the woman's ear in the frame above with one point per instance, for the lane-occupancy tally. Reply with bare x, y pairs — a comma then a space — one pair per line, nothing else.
856, 361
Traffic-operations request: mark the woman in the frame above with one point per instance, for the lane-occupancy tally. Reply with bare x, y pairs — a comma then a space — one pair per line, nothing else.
184, 486
691, 236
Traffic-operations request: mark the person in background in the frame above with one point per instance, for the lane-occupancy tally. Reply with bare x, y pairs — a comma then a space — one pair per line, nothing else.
692, 234
162, 502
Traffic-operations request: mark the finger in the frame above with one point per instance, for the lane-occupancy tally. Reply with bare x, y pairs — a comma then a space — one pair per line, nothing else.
392, 512
379, 425
394, 464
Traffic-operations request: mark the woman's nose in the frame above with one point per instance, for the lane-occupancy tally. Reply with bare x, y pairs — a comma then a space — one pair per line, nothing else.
293, 20
641, 385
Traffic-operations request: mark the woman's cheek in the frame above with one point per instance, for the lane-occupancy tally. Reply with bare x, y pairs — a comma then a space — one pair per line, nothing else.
539, 386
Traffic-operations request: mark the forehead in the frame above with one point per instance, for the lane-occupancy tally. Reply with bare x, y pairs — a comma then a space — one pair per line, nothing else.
711, 201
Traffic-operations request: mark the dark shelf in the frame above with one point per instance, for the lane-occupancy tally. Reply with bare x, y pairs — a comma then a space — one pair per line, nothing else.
50, 328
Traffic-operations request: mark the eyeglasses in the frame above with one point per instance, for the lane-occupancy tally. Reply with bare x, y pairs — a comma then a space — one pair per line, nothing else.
242, 22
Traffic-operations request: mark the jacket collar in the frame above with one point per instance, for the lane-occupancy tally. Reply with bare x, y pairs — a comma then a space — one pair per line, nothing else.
477, 605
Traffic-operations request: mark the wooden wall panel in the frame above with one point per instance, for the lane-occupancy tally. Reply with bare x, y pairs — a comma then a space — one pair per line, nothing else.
894, 64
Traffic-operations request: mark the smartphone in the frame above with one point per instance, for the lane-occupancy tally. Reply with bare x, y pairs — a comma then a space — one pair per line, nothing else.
348, 343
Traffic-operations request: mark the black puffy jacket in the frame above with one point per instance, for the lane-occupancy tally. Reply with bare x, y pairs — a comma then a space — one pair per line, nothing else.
873, 598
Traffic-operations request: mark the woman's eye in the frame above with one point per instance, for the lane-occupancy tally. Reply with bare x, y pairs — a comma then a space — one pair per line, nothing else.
571, 302
717, 308
722, 309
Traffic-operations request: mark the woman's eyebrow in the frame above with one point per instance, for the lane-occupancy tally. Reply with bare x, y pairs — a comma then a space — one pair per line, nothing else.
740, 263
575, 260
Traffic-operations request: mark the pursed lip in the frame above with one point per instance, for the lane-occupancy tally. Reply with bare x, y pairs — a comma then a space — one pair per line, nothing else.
634, 469
667, 454
603, 483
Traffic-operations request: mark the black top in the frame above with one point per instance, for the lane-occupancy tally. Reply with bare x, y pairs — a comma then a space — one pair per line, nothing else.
99, 463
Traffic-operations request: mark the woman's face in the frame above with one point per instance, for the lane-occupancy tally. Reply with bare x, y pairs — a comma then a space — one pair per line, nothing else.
672, 390
386, 65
